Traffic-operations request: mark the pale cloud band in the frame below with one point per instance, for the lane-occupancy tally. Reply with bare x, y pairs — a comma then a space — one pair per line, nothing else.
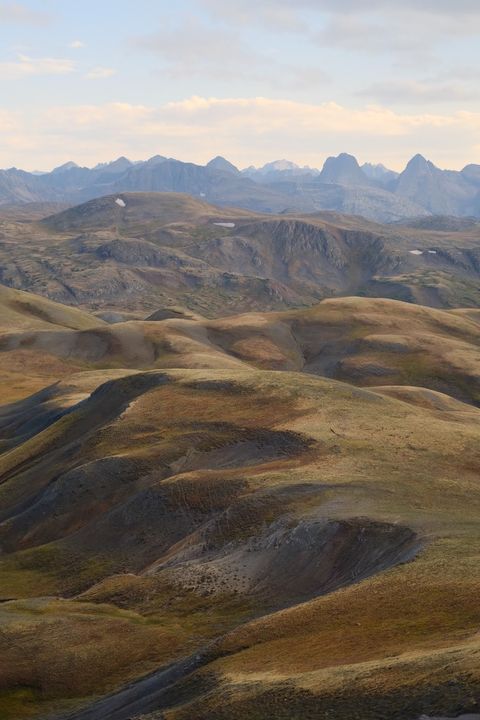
25, 66
100, 73
246, 130
19, 14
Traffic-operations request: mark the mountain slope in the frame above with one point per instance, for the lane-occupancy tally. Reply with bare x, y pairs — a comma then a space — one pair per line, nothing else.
233, 484
22, 310
439, 191
150, 250
367, 342
254, 516
343, 170
26, 370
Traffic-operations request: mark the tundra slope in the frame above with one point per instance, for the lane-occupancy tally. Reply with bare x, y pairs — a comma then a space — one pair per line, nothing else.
140, 507
366, 342
312, 546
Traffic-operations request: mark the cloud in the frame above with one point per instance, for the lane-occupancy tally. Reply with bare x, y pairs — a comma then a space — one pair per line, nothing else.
369, 27
427, 91
12, 12
246, 130
194, 47
368, 35
435, 7
301, 78
401, 31
458, 86
100, 73
198, 49
77, 44
8, 121
262, 116
26, 66
273, 15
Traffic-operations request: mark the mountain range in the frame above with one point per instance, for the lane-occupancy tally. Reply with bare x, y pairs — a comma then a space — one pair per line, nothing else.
342, 185
133, 252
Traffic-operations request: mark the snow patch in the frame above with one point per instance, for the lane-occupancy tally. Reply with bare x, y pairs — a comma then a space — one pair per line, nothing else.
225, 224
121, 202
416, 252
432, 252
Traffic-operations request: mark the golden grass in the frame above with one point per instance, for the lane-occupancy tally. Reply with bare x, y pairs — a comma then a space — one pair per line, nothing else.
22, 310
373, 456
25, 372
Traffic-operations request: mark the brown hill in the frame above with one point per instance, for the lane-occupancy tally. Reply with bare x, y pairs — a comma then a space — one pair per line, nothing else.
24, 370
367, 342
211, 519
172, 506
158, 250
22, 310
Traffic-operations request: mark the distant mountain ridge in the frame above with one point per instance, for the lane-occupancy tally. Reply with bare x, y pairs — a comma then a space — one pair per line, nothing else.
149, 250
374, 191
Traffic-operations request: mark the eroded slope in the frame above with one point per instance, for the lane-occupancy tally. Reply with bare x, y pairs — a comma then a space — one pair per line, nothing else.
169, 507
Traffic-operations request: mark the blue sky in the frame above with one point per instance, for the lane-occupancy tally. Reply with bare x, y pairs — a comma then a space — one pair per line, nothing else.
254, 80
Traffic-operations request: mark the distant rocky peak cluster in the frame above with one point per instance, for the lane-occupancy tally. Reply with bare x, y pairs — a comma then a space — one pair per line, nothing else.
342, 185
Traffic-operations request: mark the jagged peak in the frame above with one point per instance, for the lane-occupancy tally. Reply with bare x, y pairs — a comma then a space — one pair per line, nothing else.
418, 161
221, 163
343, 169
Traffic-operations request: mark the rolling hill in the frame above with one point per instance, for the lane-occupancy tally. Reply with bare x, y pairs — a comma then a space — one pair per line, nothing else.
243, 536
230, 511
366, 342
137, 252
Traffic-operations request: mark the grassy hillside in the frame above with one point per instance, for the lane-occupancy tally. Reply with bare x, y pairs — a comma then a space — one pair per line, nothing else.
264, 515
228, 478
138, 209
21, 310
367, 342
268, 514
23, 371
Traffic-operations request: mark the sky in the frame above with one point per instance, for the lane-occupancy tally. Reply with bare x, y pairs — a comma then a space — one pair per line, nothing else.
252, 80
